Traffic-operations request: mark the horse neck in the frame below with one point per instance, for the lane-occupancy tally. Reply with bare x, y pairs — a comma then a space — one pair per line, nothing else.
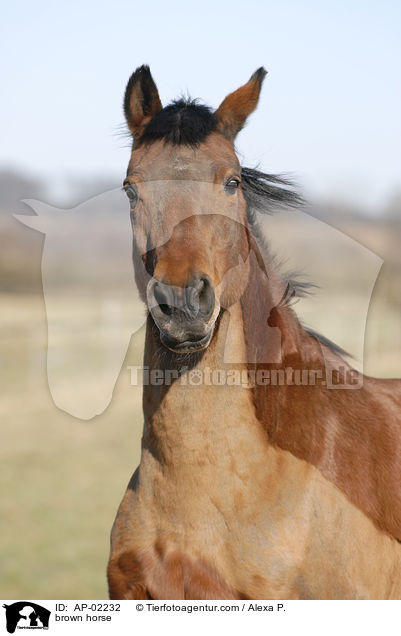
276, 342
272, 332
182, 414
184, 419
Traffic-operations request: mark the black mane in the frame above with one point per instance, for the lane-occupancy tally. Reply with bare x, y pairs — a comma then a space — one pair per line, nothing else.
183, 122
264, 192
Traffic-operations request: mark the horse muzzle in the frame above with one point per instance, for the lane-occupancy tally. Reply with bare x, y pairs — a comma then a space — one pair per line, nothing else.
185, 316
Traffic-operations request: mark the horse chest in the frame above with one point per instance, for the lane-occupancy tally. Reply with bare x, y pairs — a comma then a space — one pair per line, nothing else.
211, 466
260, 526
207, 506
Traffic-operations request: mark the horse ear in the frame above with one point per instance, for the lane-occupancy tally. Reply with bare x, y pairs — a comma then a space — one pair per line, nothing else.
141, 100
235, 108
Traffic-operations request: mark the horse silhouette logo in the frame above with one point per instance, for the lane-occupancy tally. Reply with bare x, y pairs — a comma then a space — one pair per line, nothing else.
26, 615
88, 264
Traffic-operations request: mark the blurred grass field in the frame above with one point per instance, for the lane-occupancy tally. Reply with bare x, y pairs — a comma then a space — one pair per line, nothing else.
62, 478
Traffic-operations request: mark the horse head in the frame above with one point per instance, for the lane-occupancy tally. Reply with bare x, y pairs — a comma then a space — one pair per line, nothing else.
188, 210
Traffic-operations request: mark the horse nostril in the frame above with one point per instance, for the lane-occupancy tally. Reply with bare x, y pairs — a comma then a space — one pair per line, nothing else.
192, 304
206, 297
200, 296
161, 298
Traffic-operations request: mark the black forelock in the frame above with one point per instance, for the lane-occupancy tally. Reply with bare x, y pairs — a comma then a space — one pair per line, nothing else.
183, 122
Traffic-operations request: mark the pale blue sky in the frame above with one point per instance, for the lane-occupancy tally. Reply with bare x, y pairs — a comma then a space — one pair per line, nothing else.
329, 111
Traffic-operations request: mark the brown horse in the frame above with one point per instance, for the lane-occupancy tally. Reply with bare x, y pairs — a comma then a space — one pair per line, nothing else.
276, 487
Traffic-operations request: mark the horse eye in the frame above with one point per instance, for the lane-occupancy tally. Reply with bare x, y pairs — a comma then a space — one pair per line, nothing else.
131, 193
231, 186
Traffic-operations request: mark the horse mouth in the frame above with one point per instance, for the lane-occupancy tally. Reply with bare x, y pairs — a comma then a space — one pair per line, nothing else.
186, 346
